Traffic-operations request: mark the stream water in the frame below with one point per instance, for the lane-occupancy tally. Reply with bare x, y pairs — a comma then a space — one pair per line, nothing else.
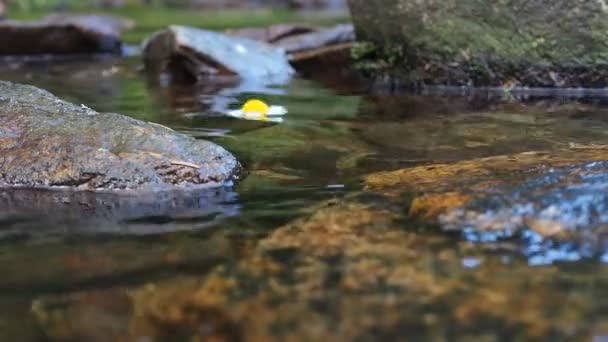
73, 274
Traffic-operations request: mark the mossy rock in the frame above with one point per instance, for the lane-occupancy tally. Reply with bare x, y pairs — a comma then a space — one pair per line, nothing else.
481, 43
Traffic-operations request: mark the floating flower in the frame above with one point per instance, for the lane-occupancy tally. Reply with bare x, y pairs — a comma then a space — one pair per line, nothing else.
255, 109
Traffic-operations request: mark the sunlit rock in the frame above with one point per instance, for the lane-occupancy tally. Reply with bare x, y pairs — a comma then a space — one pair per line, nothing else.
49, 143
554, 204
190, 54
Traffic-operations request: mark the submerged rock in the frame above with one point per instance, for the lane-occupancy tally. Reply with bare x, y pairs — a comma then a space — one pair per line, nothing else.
62, 34
351, 272
46, 142
481, 43
554, 203
190, 54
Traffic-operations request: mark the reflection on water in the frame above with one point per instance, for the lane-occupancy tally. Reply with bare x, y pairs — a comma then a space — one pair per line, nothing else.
76, 266
63, 212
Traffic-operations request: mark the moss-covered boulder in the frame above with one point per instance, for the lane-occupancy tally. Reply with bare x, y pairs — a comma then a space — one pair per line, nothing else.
485, 43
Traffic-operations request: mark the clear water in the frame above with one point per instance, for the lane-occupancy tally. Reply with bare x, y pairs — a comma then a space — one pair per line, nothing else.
70, 273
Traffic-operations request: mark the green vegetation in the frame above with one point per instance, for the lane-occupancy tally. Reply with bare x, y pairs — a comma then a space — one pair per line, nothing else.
151, 18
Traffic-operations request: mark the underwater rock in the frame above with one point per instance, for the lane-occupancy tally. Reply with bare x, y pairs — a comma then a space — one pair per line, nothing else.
481, 43
554, 203
351, 272
63, 34
49, 143
188, 55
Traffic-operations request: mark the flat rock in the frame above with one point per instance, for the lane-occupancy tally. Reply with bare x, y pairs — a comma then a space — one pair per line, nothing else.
339, 34
62, 34
190, 54
482, 43
311, 50
272, 33
49, 143
554, 203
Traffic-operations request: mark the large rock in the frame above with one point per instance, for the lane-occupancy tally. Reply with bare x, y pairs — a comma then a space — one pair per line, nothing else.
475, 42
553, 204
47, 142
190, 54
62, 34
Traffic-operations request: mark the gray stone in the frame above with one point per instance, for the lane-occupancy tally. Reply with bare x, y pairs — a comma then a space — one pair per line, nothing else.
190, 54
62, 34
49, 143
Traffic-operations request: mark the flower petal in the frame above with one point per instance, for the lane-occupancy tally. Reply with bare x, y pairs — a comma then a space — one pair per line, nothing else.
277, 110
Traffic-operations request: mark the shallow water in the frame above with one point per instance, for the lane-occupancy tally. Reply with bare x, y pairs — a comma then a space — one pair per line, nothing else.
81, 272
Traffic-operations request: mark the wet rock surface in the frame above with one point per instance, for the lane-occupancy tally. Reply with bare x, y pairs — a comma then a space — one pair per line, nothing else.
478, 43
47, 142
310, 49
63, 34
552, 204
189, 54
347, 272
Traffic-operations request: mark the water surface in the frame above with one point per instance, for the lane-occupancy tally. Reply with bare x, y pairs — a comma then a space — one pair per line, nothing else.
81, 268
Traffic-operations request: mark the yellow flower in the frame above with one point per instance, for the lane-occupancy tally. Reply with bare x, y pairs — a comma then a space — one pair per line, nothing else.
255, 109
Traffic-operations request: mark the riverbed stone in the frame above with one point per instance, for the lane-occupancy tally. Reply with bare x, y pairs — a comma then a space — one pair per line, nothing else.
481, 43
63, 34
552, 203
189, 54
50, 143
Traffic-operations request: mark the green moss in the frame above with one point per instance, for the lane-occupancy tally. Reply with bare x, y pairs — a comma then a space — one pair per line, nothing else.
484, 43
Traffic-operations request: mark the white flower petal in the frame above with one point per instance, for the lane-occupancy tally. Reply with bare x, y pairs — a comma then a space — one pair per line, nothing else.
277, 110
271, 119
236, 113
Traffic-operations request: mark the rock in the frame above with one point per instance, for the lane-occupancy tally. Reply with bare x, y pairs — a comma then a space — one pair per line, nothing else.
553, 203
352, 272
190, 54
272, 33
324, 51
62, 34
318, 4
312, 51
309, 41
327, 59
480, 43
49, 143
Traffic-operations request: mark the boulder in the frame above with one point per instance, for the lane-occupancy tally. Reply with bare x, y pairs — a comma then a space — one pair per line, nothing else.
49, 143
62, 34
190, 54
485, 43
